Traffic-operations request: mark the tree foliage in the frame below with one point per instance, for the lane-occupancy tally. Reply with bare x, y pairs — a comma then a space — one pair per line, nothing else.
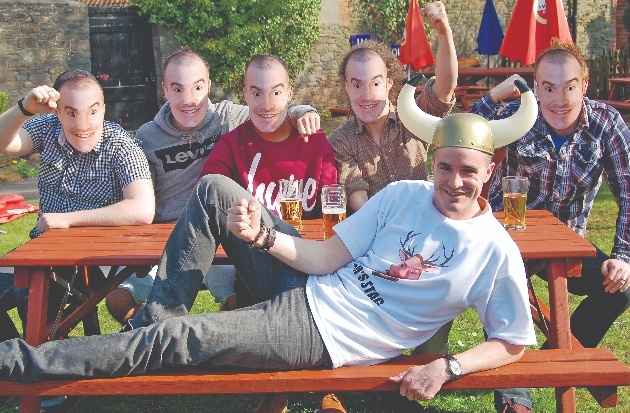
229, 32
385, 18
4, 102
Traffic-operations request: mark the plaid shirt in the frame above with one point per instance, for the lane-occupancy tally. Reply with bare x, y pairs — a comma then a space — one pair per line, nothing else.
565, 181
363, 164
71, 181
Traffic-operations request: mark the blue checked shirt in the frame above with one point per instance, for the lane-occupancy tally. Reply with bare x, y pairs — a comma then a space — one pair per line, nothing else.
71, 181
565, 181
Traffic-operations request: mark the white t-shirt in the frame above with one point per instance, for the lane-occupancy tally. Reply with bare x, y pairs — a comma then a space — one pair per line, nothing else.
366, 317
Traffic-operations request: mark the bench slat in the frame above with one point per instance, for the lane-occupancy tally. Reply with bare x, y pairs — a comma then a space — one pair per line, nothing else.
538, 368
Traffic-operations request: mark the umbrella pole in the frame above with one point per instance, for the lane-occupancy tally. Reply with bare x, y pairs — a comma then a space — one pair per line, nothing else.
488, 67
408, 72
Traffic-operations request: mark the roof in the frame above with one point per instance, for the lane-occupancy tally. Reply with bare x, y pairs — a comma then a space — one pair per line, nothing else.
106, 3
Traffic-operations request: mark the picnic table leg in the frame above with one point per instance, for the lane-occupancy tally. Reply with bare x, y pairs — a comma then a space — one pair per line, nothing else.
38, 286
560, 326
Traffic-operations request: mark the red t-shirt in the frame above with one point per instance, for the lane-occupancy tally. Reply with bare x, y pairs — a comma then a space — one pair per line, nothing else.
257, 164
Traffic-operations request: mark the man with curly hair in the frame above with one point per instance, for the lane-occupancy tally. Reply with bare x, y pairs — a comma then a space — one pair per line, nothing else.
373, 148
574, 142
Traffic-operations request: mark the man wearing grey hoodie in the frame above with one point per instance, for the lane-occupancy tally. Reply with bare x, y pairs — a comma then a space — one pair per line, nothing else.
176, 144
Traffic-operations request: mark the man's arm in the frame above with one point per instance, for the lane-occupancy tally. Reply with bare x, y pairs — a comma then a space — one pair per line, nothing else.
305, 119
488, 105
136, 208
14, 140
356, 199
424, 382
308, 256
348, 172
616, 270
446, 59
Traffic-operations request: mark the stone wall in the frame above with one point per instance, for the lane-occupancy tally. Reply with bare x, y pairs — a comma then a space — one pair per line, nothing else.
38, 40
319, 84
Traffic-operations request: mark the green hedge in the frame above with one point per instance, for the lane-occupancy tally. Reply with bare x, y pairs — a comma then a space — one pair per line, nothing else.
229, 32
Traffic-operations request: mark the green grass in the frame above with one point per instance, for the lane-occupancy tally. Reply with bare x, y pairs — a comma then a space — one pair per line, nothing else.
466, 333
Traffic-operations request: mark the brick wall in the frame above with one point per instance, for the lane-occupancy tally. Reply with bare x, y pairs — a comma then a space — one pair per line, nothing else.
39, 40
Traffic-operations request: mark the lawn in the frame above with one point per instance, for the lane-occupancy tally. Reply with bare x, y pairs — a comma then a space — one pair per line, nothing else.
466, 332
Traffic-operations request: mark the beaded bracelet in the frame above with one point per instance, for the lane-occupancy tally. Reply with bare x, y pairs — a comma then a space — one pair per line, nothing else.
260, 234
23, 109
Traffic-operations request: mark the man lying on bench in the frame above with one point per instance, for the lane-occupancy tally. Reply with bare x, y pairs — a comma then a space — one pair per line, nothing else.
414, 257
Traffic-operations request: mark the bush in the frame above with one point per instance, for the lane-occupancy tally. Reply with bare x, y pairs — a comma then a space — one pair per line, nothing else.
229, 32
4, 102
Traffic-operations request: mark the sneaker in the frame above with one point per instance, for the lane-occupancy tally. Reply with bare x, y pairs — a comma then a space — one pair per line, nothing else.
511, 407
332, 404
395, 403
273, 403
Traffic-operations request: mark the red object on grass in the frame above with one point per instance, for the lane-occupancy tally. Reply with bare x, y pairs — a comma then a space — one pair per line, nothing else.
414, 46
12, 206
532, 25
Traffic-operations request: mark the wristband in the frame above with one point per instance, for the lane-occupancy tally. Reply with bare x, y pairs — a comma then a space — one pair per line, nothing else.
271, 239
23, 110
260, 234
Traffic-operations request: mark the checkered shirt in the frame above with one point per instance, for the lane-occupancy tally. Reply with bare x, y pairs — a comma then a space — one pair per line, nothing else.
565, 181
363, 164
71, 181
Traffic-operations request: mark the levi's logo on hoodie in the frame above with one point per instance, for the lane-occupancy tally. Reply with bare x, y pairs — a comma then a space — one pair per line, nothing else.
181, 156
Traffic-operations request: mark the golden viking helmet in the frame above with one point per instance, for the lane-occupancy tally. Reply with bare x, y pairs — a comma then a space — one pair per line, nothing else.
466, 130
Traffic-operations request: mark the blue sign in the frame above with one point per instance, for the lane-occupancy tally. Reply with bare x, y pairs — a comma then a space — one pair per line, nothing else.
358, 38
395, 49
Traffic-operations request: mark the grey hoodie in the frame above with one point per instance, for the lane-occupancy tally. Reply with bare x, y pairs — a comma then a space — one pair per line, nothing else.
176, 157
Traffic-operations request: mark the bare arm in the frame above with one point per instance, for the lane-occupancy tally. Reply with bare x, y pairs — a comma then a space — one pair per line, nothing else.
308, 256
424, 382
14, 140
446, 60
305, 119
356, 199
506, 89
136, 208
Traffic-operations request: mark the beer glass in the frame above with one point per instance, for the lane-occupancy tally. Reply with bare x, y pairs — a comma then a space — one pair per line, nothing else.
291, 201
333, 207
515, 201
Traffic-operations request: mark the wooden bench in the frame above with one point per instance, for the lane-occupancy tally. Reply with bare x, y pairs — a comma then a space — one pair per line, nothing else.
537, 368
339, 111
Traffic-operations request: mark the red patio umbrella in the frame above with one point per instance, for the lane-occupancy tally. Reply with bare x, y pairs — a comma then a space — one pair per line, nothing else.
415, 49
532, 25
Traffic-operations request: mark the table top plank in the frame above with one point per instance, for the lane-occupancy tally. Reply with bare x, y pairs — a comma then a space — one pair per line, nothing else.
545, 238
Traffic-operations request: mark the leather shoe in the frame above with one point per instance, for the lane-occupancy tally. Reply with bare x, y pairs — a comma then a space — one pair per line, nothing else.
273, 403
332, 404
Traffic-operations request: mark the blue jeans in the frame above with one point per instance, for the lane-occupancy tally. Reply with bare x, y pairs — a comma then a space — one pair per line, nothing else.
278, 333
7, 302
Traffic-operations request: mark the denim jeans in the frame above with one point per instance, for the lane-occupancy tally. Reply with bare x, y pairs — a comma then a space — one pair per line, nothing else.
7, 302
277, 333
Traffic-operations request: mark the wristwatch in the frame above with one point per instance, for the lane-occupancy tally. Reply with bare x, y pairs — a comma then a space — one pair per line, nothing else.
453, 367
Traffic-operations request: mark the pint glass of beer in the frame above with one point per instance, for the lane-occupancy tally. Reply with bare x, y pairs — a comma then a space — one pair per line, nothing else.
514, 201
333, 207
291, 201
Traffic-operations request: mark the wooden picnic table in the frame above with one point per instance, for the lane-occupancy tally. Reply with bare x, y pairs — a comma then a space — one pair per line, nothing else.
545, 238
614, 82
